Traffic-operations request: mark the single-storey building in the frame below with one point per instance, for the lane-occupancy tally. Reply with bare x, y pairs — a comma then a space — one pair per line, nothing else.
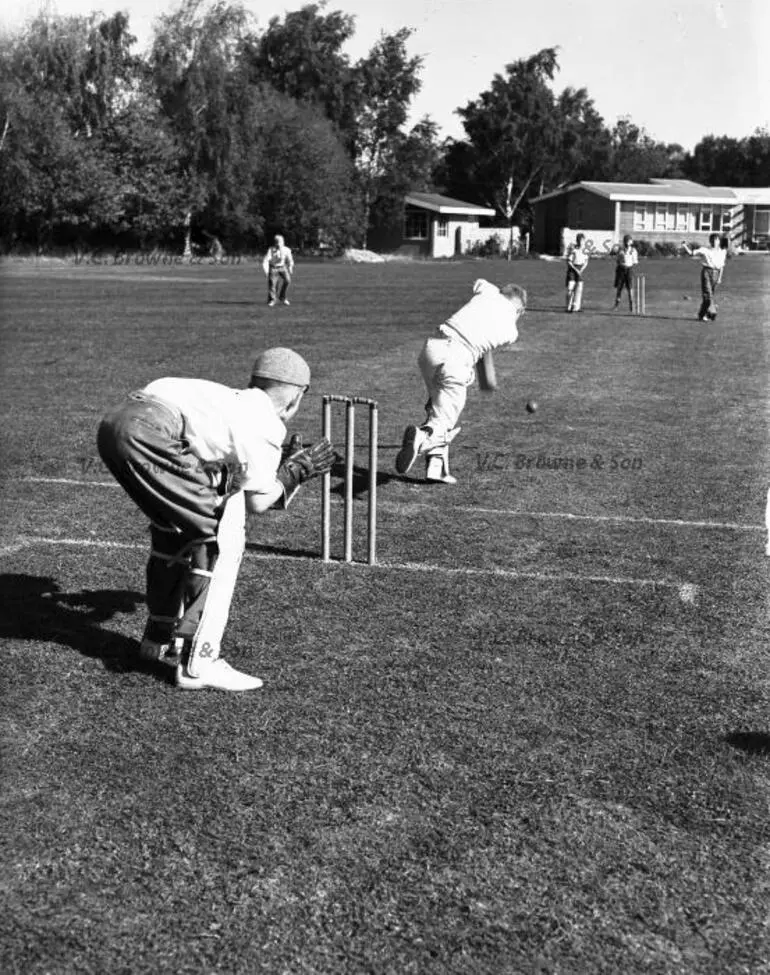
751, 222
433, 226
663, 210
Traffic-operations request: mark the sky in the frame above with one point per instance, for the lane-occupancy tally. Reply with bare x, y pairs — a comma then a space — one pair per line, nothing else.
681, 69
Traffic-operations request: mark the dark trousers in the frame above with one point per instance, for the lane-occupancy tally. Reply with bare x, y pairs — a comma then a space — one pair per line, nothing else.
624, 279
142, 444
709, 279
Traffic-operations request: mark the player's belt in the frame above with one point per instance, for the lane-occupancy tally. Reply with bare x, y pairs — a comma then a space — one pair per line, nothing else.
452, 333
143, 397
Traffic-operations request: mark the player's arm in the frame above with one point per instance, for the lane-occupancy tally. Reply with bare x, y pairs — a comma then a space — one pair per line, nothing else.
486, 374
480, 285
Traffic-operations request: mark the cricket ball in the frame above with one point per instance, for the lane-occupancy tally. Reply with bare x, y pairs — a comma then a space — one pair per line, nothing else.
531, 406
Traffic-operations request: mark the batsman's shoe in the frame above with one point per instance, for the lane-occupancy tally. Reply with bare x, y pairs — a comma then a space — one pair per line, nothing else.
216, 674
414, 439
160, 653
436, 472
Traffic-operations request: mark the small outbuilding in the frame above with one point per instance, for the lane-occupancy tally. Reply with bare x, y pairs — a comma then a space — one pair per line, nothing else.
433, 226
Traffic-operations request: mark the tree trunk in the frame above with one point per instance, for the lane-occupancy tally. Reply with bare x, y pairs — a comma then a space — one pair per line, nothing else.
187, 255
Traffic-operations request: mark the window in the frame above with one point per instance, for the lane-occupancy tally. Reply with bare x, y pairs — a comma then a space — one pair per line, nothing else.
683, 221
643, 217
664, 216
704, 218
416, 225
442, 227
762, 220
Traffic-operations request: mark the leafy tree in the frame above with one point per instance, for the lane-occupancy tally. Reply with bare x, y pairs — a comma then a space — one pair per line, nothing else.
636, 157
145, 159
415, 159
62, 80
304, 181
195, 69
386, 81
724, 161
82, 64
510, 135
55, 185
302, 57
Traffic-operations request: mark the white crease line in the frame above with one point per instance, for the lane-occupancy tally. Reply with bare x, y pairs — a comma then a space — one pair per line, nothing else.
72, 481
507, 512
687, 591
569, 516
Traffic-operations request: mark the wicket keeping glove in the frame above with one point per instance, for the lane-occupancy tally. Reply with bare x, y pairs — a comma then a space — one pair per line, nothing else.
304, 464
292, 447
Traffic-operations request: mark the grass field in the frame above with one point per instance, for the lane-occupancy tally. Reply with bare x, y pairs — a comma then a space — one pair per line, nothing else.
534, 739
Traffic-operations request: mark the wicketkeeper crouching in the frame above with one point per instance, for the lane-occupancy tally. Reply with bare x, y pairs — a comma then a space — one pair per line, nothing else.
196, 457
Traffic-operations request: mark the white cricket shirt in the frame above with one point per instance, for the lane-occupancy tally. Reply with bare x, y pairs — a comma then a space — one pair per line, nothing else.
487, 321
712, 257
237, 427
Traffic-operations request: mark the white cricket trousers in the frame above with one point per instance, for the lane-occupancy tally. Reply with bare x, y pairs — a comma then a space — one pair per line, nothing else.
447, 366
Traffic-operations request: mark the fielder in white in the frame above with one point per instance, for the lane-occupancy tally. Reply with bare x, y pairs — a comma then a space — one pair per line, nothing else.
577, 262
197, 457
278, 266
448, 363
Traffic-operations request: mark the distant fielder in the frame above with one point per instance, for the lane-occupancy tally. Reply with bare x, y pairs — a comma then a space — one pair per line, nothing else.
459, 351
577, 262
712, 260
278, 265
196, 457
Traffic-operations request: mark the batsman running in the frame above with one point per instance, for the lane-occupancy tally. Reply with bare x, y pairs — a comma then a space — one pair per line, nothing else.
197, 457
459, 351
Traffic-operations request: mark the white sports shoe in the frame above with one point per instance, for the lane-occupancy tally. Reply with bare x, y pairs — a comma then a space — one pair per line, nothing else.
435, 472
286, 301
414, 438
217, 674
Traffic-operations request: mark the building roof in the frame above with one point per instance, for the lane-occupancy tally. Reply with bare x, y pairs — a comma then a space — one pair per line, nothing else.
445, 204
753, 195
666, 190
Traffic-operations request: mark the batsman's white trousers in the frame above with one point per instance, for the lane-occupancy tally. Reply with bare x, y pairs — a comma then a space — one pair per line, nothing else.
231, 543
447, 366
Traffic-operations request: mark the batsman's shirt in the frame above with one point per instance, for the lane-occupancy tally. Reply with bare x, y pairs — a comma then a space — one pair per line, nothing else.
628, 258
487, 321
236, 427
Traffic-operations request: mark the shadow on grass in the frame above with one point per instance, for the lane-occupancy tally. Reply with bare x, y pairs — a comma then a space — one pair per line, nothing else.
35, 608
282, 551
361, 479
753, 742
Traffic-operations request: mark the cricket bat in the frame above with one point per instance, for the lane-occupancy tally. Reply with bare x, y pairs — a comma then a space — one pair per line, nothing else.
485, 373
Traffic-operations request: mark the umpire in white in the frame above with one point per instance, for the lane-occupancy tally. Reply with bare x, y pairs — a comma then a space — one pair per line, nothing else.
196, 457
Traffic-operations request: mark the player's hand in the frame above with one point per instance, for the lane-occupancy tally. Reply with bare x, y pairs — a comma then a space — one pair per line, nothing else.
306, 464
292, 447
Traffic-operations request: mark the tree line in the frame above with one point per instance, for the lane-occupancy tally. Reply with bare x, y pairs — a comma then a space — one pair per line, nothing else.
223, 133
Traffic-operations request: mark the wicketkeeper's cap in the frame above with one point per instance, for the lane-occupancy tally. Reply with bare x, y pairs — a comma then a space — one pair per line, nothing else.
283, 366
